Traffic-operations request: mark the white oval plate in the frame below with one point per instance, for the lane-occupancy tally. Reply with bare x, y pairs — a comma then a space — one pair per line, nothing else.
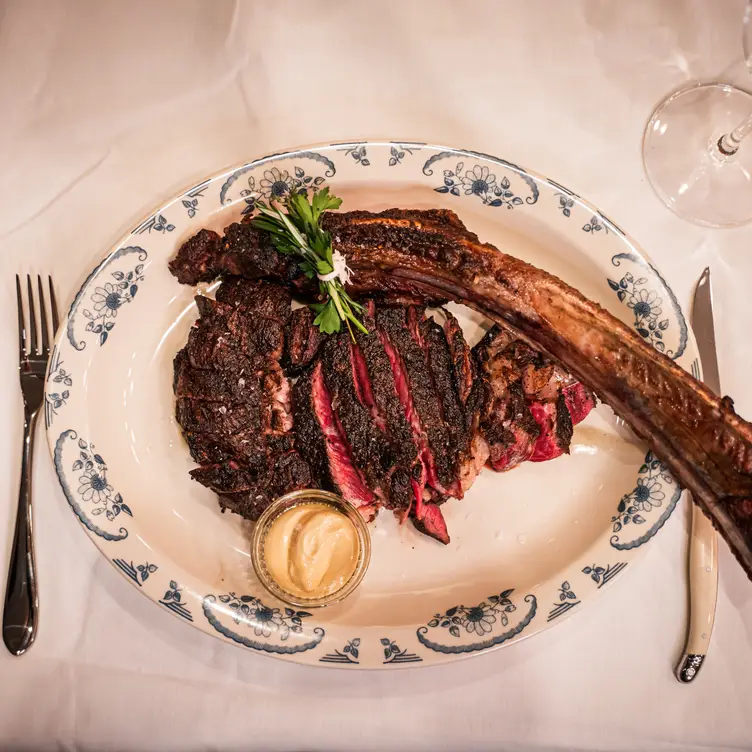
527, 546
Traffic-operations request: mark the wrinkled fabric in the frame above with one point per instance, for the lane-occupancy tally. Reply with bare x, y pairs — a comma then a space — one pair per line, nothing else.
108, 107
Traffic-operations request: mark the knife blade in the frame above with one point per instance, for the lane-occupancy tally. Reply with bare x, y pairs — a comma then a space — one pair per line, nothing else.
703, 541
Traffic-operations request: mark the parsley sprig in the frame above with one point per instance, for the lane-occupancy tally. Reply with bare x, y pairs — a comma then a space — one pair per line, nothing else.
298, 232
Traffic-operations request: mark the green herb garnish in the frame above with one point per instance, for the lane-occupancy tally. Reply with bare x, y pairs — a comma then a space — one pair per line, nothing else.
298, 232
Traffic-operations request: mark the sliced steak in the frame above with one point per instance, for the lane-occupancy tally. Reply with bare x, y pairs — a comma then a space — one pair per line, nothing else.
471, 390
580, 401
235, 339
432, 523
369, 446
377, 391
462, 357
208, 384
248, 253
444, 381
326, 447
414, 382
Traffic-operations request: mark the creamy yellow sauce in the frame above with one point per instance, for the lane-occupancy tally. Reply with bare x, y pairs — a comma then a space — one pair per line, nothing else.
311, 550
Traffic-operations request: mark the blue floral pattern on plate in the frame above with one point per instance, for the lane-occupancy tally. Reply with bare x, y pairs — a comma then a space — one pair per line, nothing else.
481, 182
595, 225
191, 199
275, 181
173, 600
61, 381
393, 653
106, 298
647, 506
471, 178
93, 495
157, 223
139, 573
652, 313
488, 619
602, 575
567, 600
270, 629
347, 656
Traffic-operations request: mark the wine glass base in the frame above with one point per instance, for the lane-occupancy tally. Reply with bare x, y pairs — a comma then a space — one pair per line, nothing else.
682, 161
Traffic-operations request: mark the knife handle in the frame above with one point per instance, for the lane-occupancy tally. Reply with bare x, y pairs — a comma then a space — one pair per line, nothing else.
703, 593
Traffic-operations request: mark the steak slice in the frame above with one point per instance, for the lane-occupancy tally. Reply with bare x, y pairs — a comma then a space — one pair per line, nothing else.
471, 390
233, 338
445, 385
369, 447
207, 384
207, 448
580, 401
378, 392
464, 368
527, 402
432, 523
414, 382
326, 447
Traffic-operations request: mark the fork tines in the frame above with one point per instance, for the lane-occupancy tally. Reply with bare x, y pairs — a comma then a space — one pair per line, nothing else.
35, 340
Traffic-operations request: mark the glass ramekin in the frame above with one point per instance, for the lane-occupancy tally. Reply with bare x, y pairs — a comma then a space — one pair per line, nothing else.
299, 498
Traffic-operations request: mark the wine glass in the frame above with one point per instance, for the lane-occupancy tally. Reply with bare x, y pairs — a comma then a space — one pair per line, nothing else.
696, 153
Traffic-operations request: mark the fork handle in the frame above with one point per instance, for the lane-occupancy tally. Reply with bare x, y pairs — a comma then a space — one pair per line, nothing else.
21, 607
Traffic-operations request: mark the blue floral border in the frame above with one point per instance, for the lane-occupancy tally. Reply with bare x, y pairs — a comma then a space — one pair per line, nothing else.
75, 506
73, 311
485, 644
267, 647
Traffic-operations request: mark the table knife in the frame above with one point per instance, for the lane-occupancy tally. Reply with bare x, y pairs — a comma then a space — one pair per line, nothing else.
703, 540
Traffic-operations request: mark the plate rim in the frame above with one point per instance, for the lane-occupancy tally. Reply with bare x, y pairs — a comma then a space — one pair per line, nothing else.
53, 438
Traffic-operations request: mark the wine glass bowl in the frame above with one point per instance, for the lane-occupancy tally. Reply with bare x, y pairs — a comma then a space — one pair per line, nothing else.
696, 153
684, 164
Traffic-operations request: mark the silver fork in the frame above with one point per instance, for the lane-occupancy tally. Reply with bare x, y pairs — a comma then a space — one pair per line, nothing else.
20, 613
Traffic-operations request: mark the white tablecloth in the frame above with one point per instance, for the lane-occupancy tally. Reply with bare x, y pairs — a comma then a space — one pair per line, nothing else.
105, 107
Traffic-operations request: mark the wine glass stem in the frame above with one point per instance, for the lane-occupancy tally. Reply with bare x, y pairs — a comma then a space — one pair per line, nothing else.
729, 143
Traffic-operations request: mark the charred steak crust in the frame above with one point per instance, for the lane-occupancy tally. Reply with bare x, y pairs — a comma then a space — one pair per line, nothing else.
393, 322
378, 392
308, 431
198, 259
384, 393
257, 296
302, 341
564, 428
371, 452
232, 399
249, 253
444, 380
463, 362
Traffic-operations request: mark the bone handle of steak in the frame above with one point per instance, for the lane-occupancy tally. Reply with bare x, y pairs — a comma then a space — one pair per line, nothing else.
702, 441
